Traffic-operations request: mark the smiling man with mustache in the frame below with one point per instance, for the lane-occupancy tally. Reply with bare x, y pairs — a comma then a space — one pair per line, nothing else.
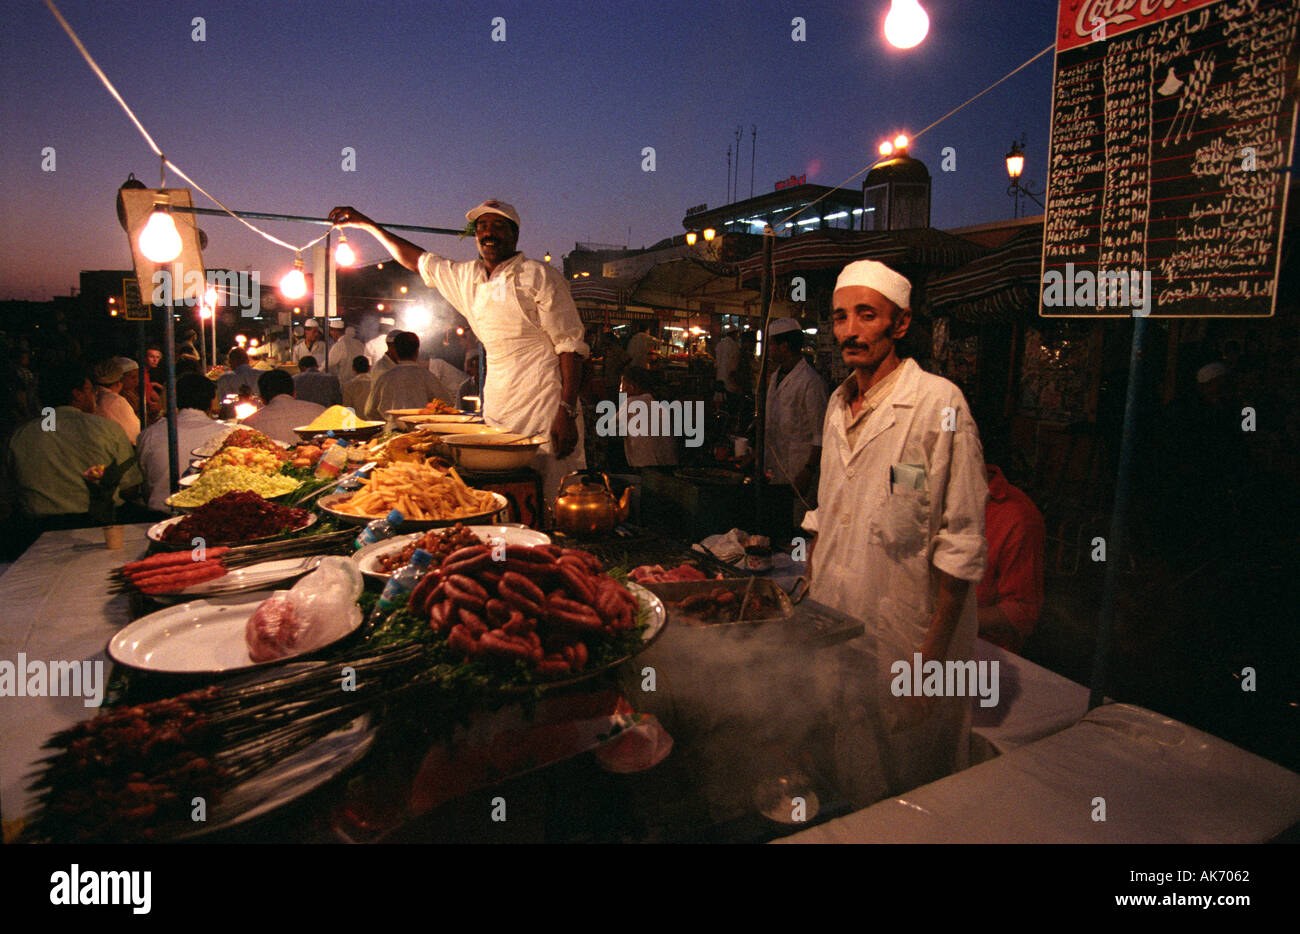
900, 538
522, 312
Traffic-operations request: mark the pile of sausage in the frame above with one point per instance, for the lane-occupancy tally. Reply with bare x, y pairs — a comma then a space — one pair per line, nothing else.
538, 604
168, 572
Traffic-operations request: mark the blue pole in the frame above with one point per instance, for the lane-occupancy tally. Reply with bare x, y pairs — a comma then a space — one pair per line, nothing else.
1116, 545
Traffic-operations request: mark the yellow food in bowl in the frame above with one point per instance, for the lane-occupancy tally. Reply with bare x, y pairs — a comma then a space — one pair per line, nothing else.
338, 418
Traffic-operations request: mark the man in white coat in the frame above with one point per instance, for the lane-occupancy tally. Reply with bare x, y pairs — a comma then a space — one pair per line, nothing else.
796, 408
343, 350
522, 312
311, 344
900, 543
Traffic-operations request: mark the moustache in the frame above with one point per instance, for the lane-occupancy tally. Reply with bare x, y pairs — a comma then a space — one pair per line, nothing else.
853, 344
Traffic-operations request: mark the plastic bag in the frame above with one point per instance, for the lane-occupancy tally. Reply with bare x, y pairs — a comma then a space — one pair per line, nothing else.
319, 609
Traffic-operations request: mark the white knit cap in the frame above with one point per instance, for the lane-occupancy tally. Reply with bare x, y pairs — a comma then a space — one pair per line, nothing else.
782, 326
878, 276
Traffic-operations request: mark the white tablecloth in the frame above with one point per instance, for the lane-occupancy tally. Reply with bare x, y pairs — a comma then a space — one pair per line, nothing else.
62, 578
1162, 782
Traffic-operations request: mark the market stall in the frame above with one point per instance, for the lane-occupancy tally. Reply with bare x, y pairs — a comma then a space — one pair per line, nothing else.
217, 645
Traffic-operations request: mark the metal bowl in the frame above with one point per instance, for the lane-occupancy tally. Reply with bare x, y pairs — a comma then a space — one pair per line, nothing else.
499, 452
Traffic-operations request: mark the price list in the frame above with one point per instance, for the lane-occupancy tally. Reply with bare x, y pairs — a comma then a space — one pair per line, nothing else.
1172, 131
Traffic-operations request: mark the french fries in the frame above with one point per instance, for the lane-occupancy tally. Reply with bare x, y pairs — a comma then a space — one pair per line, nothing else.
420, 491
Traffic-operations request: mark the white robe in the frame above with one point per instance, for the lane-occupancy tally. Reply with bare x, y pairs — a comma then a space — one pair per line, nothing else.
878, 548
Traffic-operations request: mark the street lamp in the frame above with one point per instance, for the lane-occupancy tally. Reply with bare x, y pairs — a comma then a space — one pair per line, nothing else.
1015, 168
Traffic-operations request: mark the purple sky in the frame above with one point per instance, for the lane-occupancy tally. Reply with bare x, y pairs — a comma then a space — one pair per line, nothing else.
554, 119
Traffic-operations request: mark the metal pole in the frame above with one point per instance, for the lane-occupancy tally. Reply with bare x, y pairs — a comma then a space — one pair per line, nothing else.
169, 359
1116, 546
753, 148
303, 218
142, 348
325, 294
760, 391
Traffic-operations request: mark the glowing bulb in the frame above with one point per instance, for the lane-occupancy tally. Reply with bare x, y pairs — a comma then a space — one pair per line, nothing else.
344, 255
900, 141
380, 306
906, 24
709, 233
403, 290
159, 241
690, 238
294, 283
253, 342
244, 409
241, 340
886, 148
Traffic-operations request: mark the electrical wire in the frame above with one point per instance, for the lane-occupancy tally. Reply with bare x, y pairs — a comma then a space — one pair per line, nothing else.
166, 163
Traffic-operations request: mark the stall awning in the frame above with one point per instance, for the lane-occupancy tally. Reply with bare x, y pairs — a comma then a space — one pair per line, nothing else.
680, 282
592, 290
998, 287
834, 249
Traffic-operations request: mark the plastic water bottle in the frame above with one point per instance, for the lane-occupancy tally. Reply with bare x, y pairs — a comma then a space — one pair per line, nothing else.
379, 529
332, 461
403, 581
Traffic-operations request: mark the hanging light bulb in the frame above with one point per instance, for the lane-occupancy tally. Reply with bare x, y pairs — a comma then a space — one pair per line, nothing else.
159, 241
294, 284
344, 255
906, 24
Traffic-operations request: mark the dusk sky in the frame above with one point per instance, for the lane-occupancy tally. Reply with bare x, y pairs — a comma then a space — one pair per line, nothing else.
554, 119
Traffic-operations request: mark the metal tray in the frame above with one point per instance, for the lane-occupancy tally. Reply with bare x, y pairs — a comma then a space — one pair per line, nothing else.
674, 592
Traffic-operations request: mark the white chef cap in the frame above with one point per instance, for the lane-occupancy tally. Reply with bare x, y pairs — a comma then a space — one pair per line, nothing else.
878, 276
782, 326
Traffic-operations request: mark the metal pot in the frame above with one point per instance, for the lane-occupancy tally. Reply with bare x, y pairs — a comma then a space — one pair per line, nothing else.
588, 507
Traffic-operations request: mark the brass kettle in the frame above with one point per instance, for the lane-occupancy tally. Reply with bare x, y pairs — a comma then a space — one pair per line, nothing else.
589, 508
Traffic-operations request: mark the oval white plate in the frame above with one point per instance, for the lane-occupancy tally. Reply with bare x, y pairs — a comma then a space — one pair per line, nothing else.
199, 637
368, 558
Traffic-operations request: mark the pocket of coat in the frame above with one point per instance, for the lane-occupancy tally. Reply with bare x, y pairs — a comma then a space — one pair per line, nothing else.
903, 522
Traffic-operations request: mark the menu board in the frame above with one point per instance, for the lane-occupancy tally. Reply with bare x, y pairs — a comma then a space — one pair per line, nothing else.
1173, 124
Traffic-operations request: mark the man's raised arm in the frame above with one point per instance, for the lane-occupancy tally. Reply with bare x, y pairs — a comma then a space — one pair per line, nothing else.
402, 250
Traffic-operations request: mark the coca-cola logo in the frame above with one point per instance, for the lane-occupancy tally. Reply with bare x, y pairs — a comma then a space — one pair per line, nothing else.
1095, 13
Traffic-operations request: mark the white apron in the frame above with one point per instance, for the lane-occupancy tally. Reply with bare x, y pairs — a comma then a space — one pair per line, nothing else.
523, 386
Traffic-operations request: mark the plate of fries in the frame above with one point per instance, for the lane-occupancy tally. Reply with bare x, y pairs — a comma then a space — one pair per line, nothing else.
428, 496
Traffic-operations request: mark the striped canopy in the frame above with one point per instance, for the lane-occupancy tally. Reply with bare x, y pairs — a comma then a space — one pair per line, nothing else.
1001, 286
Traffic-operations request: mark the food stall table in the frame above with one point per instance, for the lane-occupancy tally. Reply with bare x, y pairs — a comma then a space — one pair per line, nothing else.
1162, 781
739, 706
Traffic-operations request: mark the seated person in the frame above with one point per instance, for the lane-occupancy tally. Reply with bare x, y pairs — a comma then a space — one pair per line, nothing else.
357, 391
109, 402
311, 384
1010, 597
643, 449
282, 412
48, 455
408, 384
195, 397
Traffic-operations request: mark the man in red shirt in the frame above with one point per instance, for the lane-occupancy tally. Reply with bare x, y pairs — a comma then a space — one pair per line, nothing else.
1010, 597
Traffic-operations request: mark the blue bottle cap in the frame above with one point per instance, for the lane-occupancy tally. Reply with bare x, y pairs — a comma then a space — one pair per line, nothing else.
395, 517
421, 558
